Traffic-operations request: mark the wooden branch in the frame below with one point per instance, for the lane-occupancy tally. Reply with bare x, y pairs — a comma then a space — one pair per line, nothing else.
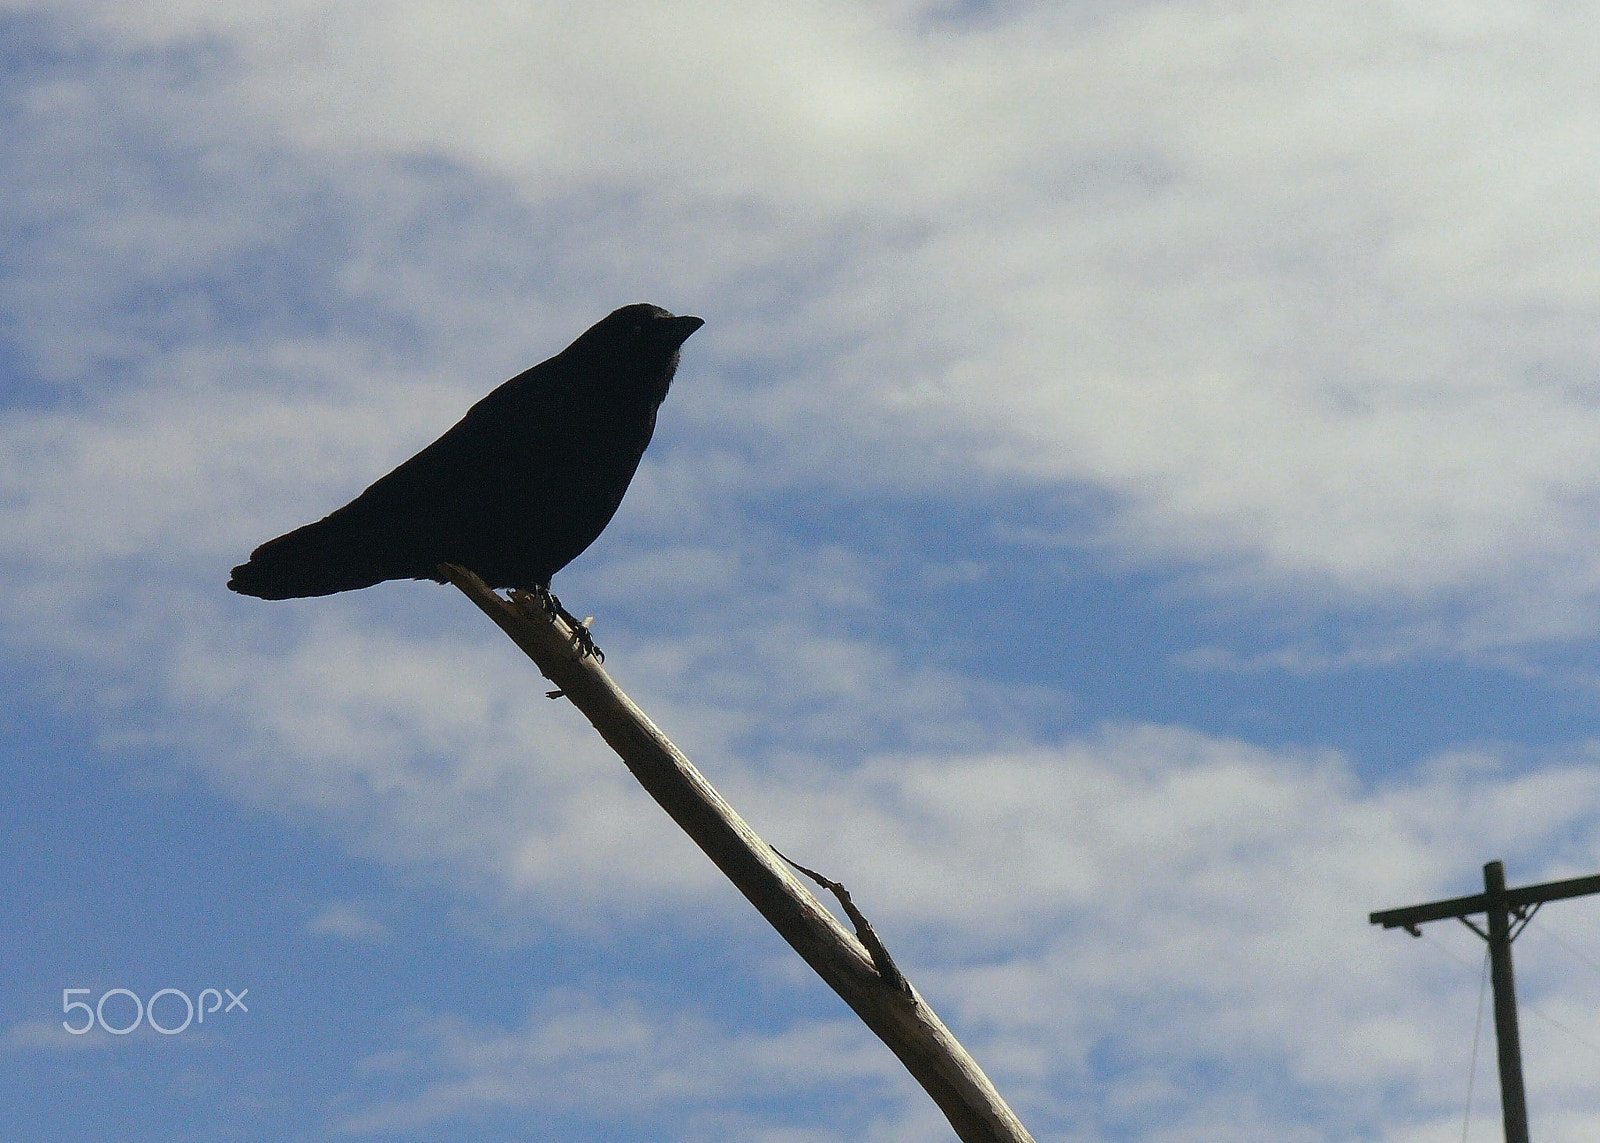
891, 1007
888, 971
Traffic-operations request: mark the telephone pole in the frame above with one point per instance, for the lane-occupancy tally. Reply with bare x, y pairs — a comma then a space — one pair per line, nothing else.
1499, 906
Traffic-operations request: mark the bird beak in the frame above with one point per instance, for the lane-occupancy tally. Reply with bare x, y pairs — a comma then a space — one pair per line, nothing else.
674, 331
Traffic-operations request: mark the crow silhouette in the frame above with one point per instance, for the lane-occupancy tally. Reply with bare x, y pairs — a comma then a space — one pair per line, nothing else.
514, 491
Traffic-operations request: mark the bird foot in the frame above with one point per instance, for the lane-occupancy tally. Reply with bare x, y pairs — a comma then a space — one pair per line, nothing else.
581, 638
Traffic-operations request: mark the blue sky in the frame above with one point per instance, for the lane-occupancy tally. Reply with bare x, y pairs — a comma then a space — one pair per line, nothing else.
1131, 511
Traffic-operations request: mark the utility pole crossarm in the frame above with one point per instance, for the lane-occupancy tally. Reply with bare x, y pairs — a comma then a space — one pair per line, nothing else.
1515, 899
1499, 905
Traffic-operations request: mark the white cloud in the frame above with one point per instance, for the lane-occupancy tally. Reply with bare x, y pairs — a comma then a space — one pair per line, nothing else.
50, 1036
1149, 926
1302, 297
623, 1063
349, 921
1303, 294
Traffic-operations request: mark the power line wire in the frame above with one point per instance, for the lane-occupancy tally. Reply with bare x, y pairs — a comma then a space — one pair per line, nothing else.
1547, 931
1477, 1032
1554, 1023
1522, 1004
1448, 951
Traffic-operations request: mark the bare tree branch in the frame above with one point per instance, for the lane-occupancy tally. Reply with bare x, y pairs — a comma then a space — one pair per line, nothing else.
865, 980
881, 960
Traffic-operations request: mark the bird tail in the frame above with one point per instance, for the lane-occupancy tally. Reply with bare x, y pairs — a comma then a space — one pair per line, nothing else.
318, 559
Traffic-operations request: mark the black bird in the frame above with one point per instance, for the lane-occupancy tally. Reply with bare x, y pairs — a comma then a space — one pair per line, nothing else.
514, 491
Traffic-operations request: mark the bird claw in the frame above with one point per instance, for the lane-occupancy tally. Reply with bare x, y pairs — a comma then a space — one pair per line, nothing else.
584, 641
581, 638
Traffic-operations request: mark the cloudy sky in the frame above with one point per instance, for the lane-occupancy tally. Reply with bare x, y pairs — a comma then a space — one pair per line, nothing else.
1133, 509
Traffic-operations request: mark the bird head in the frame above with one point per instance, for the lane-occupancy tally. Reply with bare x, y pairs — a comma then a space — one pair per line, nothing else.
643, 339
